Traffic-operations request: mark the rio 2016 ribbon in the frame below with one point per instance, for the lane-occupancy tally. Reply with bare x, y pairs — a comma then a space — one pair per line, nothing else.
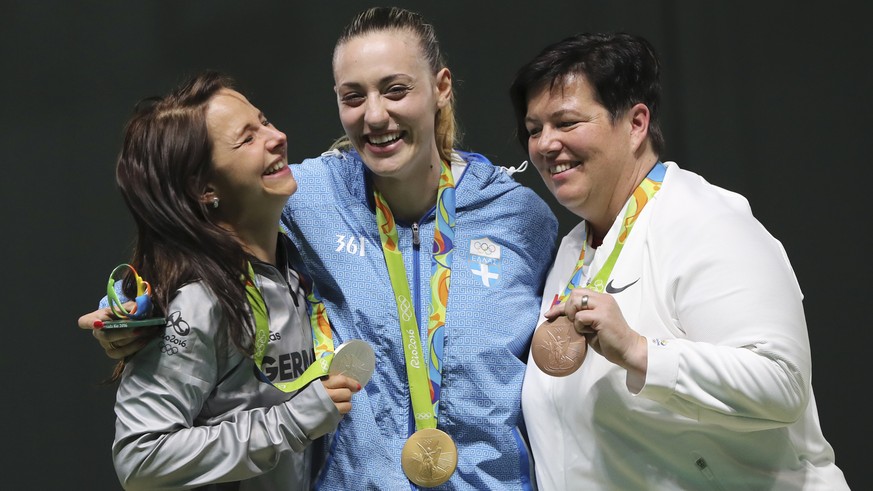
557, 349
429, 456
353, 358
641, 196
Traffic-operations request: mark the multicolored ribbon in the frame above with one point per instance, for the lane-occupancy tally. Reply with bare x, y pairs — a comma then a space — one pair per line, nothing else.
641, 196
425, 403
321, 334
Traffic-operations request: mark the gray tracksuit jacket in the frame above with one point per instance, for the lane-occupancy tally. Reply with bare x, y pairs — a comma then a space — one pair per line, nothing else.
192, 411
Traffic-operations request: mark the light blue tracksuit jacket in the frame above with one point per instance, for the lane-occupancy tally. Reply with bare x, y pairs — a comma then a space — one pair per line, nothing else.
504, 241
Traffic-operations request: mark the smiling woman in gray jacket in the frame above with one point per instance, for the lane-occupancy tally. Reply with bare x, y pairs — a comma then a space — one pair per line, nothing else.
205, 176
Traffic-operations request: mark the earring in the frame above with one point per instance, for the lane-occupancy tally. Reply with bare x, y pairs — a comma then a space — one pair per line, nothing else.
215, 202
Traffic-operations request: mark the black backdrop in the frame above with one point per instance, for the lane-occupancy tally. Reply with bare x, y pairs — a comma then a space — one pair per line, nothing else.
770, 99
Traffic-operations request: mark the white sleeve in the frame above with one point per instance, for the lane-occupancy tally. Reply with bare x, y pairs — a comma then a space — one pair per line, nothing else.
743, 361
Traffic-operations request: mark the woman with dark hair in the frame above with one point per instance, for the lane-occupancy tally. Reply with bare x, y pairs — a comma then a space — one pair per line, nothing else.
682, 360
205, 176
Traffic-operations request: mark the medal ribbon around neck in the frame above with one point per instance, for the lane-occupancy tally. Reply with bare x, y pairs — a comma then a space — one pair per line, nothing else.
425, 403
642, 195
321, 335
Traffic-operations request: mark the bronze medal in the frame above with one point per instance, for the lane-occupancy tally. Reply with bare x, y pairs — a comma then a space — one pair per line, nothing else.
557, 349
429, 457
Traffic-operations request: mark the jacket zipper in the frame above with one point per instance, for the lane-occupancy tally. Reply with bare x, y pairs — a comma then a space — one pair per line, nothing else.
416, 302
416, 277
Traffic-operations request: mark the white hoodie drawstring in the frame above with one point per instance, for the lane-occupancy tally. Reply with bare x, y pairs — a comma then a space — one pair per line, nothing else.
514, 170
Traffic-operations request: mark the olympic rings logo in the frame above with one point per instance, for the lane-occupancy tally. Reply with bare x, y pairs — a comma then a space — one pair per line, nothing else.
405, 309
169, 349
260, 340
484, 248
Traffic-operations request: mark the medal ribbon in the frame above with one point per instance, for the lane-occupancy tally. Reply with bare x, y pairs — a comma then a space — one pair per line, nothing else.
425, 403
321, 335
641, 196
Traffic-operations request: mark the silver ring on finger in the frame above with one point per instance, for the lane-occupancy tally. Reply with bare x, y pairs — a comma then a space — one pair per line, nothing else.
583, 302
113, 345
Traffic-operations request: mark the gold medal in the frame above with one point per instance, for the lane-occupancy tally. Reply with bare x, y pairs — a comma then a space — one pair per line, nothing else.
429, 457
557, 348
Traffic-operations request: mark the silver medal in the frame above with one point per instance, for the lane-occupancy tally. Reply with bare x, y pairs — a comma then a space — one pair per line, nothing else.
354, 359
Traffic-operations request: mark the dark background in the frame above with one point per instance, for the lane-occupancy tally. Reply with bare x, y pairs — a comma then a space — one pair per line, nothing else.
769, 99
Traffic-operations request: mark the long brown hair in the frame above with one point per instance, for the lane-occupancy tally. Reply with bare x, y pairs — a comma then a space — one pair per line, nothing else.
163, 169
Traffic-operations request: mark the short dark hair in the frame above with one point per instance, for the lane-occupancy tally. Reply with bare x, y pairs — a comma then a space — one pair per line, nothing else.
622, 69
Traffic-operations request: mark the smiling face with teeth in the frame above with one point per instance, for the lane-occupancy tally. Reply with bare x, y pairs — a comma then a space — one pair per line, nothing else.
388, 99
250, 160
588, 159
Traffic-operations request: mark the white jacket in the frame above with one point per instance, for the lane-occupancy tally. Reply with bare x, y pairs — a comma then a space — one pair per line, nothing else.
727, 402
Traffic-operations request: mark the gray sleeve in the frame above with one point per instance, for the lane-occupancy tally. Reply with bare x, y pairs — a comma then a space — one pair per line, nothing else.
158, 441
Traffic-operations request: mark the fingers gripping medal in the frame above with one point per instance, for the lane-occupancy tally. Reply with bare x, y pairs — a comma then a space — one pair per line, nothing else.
354, 359
557, 349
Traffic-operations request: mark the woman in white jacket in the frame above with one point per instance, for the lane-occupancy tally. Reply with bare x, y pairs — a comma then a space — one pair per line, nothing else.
685, 363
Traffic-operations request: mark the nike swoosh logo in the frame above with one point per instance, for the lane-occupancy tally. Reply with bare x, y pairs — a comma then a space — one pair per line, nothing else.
612, 289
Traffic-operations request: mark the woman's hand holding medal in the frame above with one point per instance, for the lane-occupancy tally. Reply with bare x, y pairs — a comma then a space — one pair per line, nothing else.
595, 319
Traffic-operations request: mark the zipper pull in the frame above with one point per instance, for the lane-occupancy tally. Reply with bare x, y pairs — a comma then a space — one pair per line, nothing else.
415, 239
